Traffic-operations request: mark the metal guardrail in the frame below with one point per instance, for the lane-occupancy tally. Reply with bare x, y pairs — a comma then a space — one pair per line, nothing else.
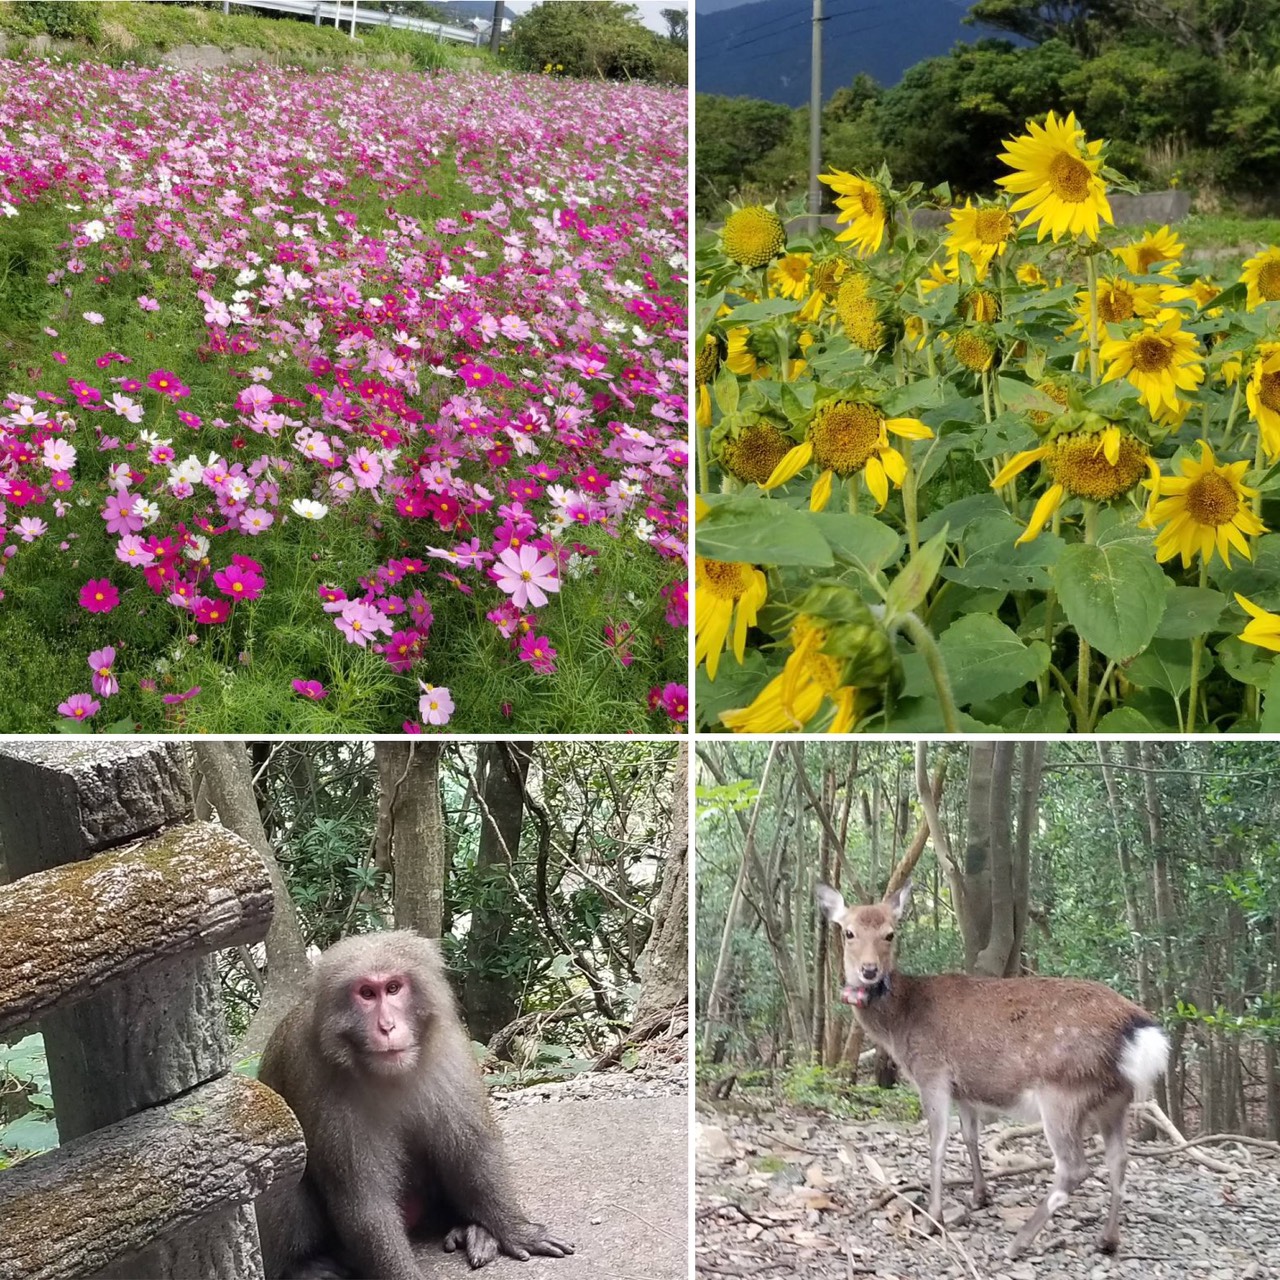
327, 11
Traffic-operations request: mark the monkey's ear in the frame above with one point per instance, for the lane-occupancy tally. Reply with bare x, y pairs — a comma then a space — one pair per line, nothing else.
830, 901
897, 902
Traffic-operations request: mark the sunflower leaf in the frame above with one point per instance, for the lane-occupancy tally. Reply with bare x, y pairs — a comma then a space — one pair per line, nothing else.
1114, 596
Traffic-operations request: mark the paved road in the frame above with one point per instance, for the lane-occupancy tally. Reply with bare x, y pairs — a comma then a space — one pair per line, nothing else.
610, 1175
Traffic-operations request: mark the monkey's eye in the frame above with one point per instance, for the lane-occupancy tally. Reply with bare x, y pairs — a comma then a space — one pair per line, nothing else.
848, 933
393, 987
888, 937
367, 993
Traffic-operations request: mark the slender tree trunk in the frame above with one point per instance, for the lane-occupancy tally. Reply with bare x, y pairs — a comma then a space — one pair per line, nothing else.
1031, 775
975, 917
228, 785
491, 998
411, 829
995, 956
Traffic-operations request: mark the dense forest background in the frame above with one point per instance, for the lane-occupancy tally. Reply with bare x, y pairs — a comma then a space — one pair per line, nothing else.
1153, 867
1188, 92
555, 875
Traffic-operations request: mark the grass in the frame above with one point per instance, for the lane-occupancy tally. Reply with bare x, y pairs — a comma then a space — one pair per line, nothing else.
130, 31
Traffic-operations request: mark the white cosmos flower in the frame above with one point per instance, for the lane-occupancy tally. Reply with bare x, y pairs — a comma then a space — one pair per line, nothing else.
309, 509
199, 550
149, 511
95, 230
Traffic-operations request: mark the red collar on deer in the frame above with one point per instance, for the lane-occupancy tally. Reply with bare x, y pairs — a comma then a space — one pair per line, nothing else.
861, 996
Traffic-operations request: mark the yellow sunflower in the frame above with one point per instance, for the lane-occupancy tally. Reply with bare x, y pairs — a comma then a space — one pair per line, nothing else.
1096, 466
983, 233
796, 694
1262, 276
1204, 508
753, 236
790, 275
1056, 171
753, 451
1155, 246
863, 205
1159, 360
1119, 300
1264, 629
1029, 273
860, 313
847, 436
727, 596
739, 357
975, 349
1263, 395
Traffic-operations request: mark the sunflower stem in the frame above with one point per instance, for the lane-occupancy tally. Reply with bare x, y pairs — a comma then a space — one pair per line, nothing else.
1093, 318
909, 509
1197, 653
927, 647
704, 460
1085, 655
851, 498
986, 394
1259, 457
1102, 689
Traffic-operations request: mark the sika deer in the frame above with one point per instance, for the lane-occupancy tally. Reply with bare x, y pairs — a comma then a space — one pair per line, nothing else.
1067, 1052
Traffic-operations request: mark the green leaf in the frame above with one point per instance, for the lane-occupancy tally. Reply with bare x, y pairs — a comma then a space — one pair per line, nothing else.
1049, 716
1113, 596
1123, 720
1271, 702
1191, 611
753, 529
1165, 665
755, 312
707, 309
726, 391
860, 538
959, 515
908, 590
996, 563
985, 659
922, 715
1245, 662
734, 686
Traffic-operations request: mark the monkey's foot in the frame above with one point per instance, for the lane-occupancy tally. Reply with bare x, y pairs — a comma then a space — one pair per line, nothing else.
480, 1246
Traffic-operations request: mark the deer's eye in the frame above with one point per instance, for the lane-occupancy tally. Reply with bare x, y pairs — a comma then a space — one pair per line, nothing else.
888, 937
848, 933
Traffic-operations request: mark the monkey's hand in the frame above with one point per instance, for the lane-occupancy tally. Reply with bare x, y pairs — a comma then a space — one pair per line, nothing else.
520, 1241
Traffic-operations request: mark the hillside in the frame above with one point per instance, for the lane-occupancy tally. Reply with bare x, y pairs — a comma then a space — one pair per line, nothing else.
762, 49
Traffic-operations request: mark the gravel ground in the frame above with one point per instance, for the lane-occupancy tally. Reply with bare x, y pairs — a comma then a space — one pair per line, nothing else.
780, 1194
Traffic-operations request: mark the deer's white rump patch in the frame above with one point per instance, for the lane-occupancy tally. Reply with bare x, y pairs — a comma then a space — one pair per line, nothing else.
1144, 1058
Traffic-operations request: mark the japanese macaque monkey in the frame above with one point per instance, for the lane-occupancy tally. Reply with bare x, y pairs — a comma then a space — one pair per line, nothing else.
378, 1069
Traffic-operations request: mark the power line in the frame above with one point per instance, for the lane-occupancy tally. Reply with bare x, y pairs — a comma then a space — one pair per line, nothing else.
757, 36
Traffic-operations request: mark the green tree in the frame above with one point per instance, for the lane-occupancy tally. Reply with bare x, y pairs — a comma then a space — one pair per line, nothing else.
734, 135
601, 39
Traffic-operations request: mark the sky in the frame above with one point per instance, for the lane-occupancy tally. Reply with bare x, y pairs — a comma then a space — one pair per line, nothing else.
650, 10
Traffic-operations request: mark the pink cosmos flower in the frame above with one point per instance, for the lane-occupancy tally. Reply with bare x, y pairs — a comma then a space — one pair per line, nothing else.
80, 706
175, 699
94, 317
526, 575
312, 689
212, 612
101, 662
538, 653
147, 304
402, 650
359, 622
168, 384
119, 513
132, 550
675, 702
99, 596
436, 705
29, 528
238, 583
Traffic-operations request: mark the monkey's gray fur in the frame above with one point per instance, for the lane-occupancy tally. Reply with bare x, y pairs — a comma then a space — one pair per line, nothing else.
422, 1137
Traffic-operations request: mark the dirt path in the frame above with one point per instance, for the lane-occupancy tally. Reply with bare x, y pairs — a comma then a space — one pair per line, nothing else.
784, 1195
612, 1175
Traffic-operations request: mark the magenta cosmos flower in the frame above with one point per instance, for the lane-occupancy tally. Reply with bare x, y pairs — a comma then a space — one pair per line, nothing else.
312, 689
101, 663
238, 583
538, 653
168, 384
526, 576
80, 706
99, 596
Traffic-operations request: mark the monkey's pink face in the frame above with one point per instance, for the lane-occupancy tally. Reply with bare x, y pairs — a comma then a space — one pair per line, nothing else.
383, 1004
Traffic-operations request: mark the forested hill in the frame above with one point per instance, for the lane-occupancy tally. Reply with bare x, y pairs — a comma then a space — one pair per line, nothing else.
761, 49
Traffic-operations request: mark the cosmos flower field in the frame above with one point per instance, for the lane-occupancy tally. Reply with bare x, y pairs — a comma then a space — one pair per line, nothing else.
350, 401
1013, 474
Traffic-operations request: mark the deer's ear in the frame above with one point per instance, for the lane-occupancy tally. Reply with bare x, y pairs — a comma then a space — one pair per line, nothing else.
897, 902
830, 901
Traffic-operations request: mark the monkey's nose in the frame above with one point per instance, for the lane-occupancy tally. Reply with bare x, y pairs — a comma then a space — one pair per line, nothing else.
870, 972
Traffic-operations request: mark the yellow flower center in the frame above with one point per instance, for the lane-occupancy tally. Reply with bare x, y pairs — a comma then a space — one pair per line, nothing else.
1212, 500
708, 361
1269, 391
992, 226
1148, 256
1069, 178
1115, 305
755, 453
861, 320
826, 274
1269, 281
845, 434
981, 306
1151, 353
869, 199
753, 236
1079, 464
725, 579
1055, 393
974, 352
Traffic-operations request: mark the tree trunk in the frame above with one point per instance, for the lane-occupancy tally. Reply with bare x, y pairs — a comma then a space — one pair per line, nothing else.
975, 911
490, 999
1028, 820
994, 958
228, 784
411, 829
664, 962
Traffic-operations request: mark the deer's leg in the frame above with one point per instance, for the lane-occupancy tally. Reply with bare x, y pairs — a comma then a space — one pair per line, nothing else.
1111, 1124
1063, 1129
935, 1102
969, 1127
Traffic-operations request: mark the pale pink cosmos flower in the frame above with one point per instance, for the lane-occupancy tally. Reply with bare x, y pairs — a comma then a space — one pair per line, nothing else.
526, 576
147, 304
59, 455
436, 704
29, 528
359, 622
132, 551
95, 317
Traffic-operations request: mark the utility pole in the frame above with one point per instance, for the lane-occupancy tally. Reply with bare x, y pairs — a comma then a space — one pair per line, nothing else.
353, 19
815, 120
495, 32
